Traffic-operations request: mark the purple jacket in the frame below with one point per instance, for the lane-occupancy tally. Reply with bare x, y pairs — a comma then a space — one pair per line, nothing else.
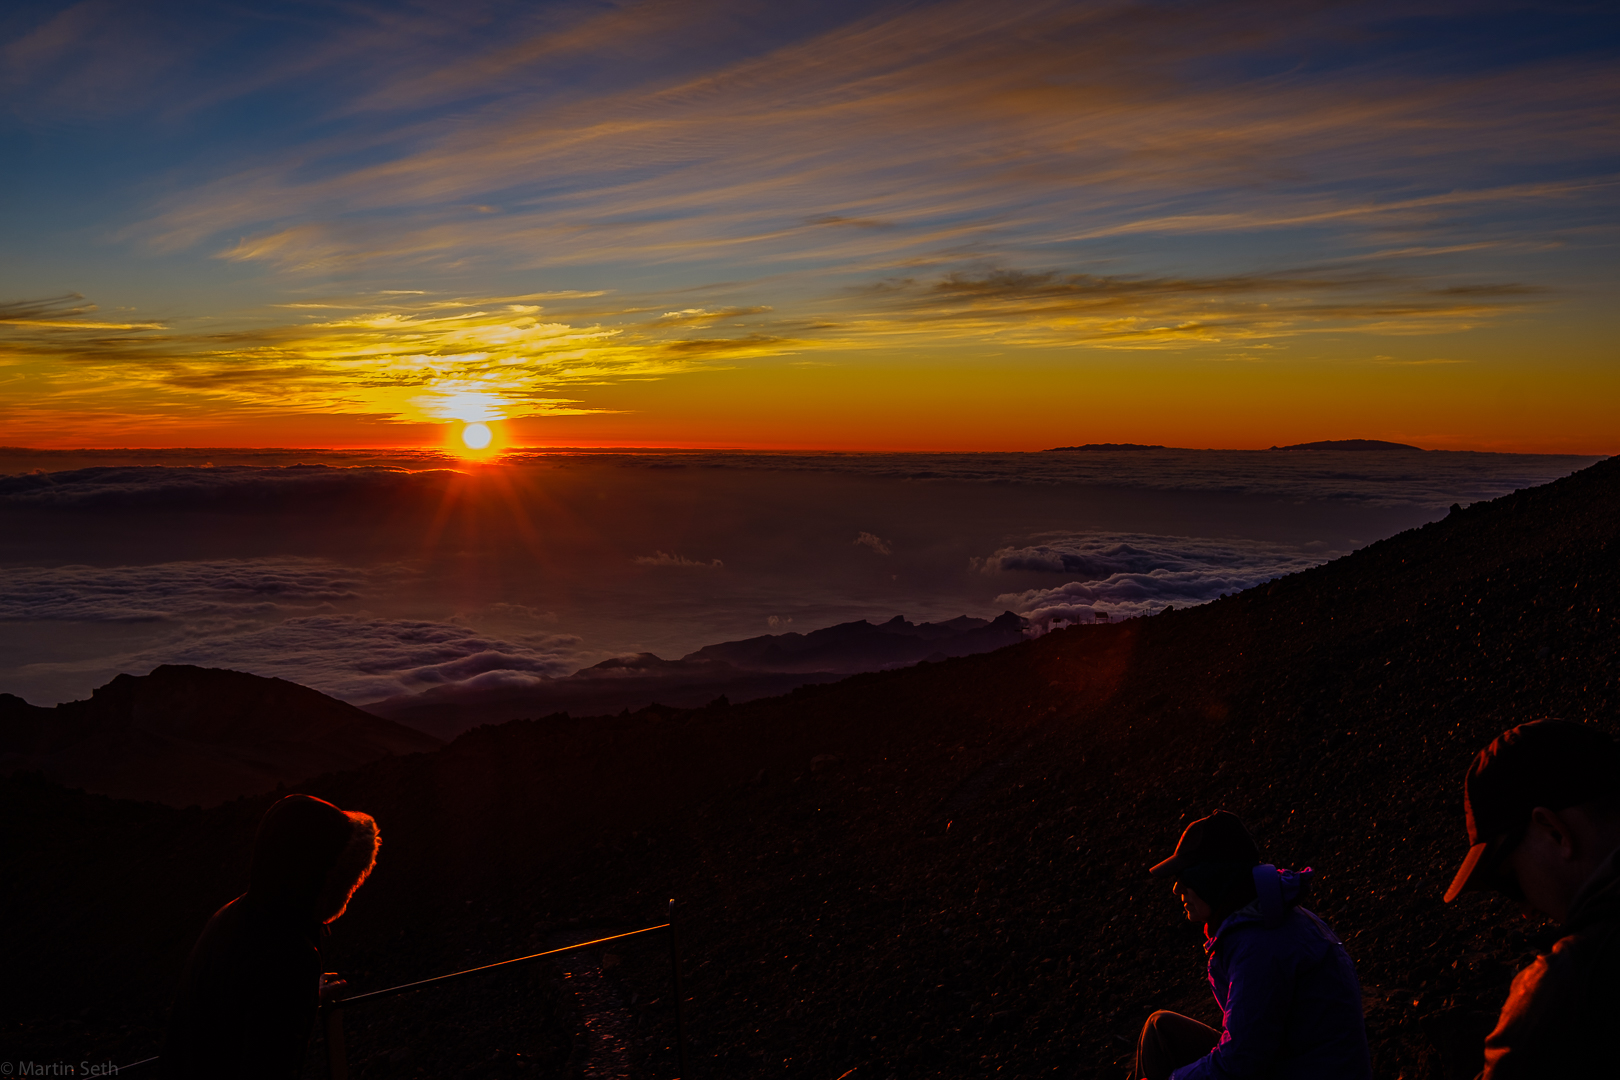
1290, 1002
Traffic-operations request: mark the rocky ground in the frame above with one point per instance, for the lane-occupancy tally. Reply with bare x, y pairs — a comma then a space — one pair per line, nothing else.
939, 871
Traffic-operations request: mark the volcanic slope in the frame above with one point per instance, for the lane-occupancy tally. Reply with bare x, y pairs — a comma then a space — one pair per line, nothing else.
938, 871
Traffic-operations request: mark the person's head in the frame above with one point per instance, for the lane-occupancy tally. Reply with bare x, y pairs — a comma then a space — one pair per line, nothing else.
309, 857
1212, 868
1542, 805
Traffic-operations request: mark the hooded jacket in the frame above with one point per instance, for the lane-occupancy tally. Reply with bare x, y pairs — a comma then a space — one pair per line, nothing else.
1290, 1002
250, 989
1562, 1017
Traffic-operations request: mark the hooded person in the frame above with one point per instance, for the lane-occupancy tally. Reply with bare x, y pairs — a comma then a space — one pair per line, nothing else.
1290, 1002
251, 987
1542, 806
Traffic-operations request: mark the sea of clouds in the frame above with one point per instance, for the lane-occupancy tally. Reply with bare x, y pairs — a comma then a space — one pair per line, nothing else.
1387, 477
369, 580
282, 618
1123, 575
112, 487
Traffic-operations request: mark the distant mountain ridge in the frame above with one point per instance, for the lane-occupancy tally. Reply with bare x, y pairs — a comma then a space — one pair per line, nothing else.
185, 734
859, 646
1351, 444
736, 670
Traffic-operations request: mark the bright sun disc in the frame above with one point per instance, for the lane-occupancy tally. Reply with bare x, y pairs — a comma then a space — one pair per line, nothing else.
476, 436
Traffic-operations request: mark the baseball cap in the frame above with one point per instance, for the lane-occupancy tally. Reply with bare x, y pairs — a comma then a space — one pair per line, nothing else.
1551, 763
1220, 837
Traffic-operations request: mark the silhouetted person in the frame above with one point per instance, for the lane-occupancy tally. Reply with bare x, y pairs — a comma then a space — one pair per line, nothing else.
1543, 814
1290, 1002
252, 985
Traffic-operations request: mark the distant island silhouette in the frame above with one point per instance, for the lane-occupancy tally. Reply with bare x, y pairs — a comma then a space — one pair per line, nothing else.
1349, 444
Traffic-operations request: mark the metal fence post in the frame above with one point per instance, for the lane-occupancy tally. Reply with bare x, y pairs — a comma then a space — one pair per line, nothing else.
675, 978
337, 1058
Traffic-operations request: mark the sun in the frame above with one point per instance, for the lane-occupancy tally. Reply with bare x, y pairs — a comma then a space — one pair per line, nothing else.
476, 436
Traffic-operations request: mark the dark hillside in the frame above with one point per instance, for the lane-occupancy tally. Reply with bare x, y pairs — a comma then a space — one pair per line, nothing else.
187, 735
957, 888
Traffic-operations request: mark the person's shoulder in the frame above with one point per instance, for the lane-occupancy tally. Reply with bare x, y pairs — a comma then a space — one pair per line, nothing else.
1298, 934
1293, 921
1310, 922
1243, 932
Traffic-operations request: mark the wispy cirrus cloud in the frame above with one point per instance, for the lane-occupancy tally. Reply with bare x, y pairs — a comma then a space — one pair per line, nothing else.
70, 312
1138, 311
944, 123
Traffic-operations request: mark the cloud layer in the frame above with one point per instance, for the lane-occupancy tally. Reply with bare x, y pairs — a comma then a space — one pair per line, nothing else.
1124, 575
362, 659
159, 485
235, 588
370, 582
280, 617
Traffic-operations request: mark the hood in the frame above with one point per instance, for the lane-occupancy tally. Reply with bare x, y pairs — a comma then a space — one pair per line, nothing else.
1277, 892
309, 857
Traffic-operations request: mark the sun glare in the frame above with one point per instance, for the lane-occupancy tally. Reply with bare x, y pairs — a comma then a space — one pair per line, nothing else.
476, 436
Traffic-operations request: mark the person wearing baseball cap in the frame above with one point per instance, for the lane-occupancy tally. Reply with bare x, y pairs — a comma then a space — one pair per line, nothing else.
1290, 1002
1542, 808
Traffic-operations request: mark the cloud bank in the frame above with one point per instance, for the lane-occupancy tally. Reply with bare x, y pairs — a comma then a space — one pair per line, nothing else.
1124, 575
279, 617
360, 659
233, 589
177, 486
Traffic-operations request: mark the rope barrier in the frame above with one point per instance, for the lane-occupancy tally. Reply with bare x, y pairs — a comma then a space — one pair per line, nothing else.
333, 1010
400, 989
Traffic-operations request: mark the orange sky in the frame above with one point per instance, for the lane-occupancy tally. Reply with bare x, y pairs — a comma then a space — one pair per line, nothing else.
839, 226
